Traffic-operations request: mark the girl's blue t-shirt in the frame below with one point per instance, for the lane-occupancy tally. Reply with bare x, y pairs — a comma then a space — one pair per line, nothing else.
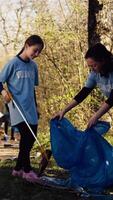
104, 83
21, 78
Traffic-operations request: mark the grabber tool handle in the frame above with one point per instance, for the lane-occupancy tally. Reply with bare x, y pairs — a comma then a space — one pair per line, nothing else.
41, 148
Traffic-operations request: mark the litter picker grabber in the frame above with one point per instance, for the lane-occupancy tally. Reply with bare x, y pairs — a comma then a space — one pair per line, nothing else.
46, 154
41, 149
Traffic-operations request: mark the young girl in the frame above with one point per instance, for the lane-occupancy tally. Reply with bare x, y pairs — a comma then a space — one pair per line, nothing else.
21, 76
100, 61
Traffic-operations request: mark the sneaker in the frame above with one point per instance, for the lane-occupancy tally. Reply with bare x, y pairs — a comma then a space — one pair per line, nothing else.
30, 176
17, 173
6, 137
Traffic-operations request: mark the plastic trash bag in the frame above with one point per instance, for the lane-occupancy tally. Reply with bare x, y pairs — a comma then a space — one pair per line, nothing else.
85, 154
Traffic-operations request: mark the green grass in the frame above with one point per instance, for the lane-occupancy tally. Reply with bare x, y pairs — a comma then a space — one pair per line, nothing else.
12, 188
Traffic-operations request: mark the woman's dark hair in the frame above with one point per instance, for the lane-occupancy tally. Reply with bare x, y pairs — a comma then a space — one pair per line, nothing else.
33, 40
99, 53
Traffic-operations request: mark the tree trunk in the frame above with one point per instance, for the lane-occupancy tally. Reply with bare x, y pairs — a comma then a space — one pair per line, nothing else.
94, 7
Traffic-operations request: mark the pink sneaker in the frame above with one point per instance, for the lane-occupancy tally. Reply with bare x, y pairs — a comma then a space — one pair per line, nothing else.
30, 176
17, 173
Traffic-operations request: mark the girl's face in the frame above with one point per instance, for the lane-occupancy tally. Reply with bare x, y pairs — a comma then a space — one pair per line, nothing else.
94, 65
33, 51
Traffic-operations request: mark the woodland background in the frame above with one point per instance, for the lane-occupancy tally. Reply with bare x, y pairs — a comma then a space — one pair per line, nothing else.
68, 28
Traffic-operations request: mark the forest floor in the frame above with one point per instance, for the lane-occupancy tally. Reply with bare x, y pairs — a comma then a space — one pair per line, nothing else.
12, 188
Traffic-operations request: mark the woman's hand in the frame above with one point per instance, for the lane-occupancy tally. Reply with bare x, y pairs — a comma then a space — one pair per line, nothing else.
59, 115
6, 96
93, 120
102, 110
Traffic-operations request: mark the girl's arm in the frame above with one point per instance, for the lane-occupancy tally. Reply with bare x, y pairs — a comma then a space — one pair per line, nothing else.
4, 93
5, 74
35, 98
36, 104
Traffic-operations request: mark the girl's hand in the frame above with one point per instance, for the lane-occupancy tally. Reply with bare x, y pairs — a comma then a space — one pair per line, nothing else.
59, 115
6, 95
92, 121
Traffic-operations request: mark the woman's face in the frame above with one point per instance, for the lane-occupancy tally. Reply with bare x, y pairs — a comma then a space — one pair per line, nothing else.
94, 65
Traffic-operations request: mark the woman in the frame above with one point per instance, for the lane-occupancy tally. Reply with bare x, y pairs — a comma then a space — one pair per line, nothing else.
100, 61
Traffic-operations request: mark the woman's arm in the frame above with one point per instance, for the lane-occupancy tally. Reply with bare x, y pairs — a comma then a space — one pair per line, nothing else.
77, 99
61, 113
103, 109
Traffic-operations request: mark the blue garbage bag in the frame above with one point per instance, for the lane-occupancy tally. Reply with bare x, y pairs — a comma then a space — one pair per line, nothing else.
85, 154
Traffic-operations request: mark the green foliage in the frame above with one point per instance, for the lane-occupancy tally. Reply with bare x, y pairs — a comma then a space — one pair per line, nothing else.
62, 68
